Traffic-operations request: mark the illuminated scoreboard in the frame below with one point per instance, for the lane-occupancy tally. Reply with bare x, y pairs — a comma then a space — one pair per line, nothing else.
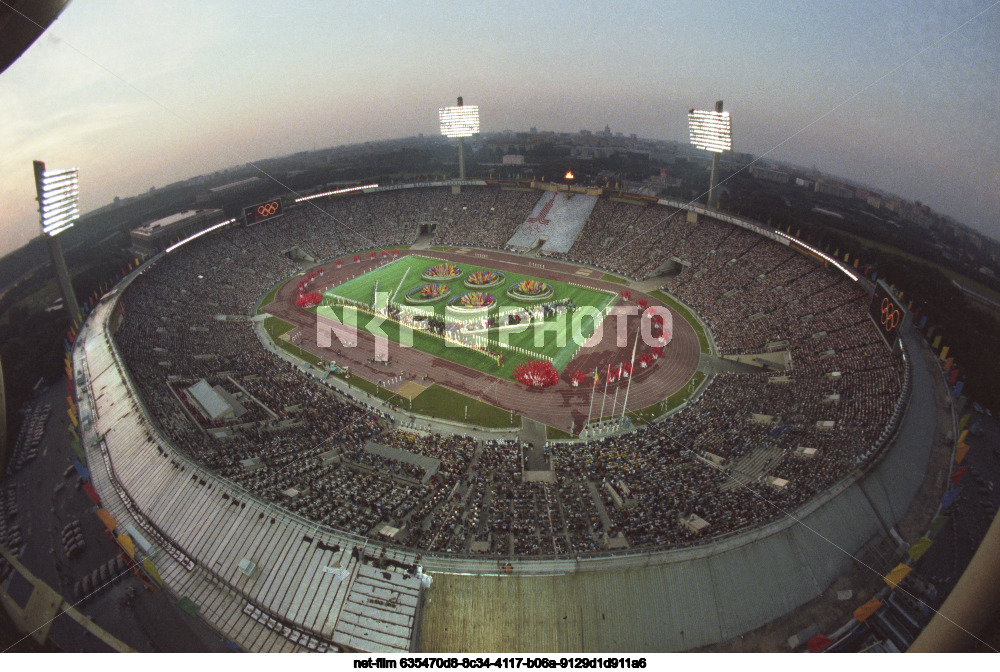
887, 313
262, 212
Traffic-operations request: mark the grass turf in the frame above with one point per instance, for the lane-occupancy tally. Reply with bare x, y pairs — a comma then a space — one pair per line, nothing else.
551, 337
275, 328
268, 298
607, 277
556, 434
440, 402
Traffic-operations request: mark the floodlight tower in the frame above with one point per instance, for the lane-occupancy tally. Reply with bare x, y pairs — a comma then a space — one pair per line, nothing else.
460, 121
58, 200
711, 130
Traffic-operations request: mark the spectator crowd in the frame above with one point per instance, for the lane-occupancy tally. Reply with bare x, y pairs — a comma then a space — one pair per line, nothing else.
304, 446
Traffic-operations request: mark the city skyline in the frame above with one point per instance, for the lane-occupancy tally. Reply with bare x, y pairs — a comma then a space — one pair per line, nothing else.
899, 99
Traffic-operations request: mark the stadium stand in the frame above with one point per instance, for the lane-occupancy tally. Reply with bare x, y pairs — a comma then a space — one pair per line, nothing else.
307, 448
557, 219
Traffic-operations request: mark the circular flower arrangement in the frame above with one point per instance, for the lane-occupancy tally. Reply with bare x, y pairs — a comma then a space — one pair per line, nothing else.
473, 301
484, 279
530, 290
427, 294
443, 272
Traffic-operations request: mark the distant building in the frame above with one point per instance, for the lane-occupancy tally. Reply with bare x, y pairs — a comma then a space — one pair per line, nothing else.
665, 179
240, 187
834, 189
803, 182
160, 233
768, 175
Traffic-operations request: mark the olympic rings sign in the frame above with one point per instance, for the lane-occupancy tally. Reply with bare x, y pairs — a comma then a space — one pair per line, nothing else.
262, 211
890, 315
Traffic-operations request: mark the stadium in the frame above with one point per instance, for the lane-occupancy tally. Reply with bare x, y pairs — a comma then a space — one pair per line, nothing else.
665, 483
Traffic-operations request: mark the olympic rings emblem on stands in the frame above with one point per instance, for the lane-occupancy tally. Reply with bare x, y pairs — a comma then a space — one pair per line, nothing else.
890, 315
267, 209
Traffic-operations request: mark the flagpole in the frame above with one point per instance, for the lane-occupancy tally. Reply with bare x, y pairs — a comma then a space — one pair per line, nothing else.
605, 397
615, 402
631, 367
593, 391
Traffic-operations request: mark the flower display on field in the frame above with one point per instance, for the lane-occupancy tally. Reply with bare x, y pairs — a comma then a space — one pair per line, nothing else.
476, 300
532, 287
431, 291
530, 290
428, 293
482, 278
443, 271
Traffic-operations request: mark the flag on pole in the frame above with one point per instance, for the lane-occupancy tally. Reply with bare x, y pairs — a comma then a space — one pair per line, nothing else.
631, 368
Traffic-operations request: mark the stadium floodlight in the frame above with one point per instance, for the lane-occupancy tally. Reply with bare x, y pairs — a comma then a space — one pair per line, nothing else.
459, 121
711, 130
58, 198
58, 207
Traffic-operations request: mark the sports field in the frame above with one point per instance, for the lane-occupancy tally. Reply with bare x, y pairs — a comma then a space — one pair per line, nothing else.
557, 337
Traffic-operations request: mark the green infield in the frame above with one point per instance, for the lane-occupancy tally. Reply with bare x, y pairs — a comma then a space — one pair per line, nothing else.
441, 402
268, 298
556, 337
276, 328
607, 277
557, 434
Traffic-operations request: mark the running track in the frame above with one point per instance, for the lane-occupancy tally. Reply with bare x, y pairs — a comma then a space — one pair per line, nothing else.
562, 406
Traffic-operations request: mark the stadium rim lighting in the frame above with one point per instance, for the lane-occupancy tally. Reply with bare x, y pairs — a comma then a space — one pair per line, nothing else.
58, 200
459, 121
710, 130
824, 256
346, 190
197, 235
